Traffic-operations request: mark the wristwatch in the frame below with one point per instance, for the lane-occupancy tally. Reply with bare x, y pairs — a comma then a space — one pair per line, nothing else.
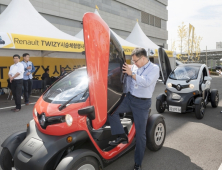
133, 74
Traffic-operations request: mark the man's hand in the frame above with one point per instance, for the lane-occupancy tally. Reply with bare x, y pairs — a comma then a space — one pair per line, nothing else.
29, 67
126, 69
11, 78
28, 74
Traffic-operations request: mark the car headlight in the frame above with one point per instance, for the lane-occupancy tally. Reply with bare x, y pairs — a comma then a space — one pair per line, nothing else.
35, 112
69, 119
169, 85
191, 86
176, 96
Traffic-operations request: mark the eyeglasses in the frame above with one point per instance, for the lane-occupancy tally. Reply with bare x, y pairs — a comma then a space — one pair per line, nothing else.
134, 62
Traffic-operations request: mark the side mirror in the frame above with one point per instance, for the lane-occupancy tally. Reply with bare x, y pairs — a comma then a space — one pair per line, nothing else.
206, 78
203, 87
87, 111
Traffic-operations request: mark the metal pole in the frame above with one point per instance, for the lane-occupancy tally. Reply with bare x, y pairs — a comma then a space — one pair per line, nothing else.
206, 55
181, 46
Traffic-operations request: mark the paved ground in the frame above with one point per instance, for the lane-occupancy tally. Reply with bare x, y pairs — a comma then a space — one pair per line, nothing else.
190, 144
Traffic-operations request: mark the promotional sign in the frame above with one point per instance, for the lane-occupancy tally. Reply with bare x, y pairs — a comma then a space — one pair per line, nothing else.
151, 52
5, 40
18, 41
41, 63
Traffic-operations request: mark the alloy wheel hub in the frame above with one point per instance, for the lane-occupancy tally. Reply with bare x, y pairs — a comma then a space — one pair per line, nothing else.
87, 167
159, 134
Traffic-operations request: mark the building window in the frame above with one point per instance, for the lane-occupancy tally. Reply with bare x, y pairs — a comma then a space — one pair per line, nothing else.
144, 17
157, 22
152, 20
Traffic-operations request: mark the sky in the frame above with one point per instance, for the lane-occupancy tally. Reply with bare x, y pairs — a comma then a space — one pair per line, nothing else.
204, 15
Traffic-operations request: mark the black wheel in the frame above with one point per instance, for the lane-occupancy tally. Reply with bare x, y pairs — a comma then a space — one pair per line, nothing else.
156, 135
159, 106
6, 160
199, 108
214, 95
86, 163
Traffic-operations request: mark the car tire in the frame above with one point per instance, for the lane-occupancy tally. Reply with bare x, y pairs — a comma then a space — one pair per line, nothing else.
88, 163
214, 95
159, 106
156, 135
199, 108
6, 160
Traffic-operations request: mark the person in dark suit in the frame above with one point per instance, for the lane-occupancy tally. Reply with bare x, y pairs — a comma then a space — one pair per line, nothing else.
46, 74
46, 79
63, 72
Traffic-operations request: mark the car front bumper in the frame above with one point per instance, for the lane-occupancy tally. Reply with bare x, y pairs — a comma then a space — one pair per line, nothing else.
183, 102
39, 151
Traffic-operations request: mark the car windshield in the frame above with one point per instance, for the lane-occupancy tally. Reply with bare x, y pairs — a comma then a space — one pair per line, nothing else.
185, 73
75, 83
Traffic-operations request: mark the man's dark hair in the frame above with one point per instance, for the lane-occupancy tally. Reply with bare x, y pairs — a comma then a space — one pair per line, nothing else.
16, 55
46, 70
139, 52
25, 54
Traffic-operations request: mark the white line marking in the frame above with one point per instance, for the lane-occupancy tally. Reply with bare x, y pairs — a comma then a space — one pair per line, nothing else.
13, 106
36, 96
220, 168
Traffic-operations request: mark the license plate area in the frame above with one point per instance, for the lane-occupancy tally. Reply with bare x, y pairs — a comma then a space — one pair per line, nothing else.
175, 109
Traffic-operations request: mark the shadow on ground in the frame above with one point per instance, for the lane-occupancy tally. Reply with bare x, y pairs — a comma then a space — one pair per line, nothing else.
164, 159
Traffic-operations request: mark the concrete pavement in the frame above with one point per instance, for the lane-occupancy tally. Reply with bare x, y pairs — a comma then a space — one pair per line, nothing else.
190, 144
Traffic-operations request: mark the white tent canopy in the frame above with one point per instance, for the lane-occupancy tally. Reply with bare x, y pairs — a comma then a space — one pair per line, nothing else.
125, 44
20, 17
22, 26
138, 37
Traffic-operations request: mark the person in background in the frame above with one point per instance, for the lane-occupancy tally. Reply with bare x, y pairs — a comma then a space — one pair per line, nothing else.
16, 78
46, 74
63, 72
46, 79
27, 78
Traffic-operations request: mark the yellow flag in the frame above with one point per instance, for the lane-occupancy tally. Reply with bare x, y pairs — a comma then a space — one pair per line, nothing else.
190, 28
97, 7
193, 32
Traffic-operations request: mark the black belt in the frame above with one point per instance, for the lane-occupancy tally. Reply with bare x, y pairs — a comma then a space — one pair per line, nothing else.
138, 97
16, 79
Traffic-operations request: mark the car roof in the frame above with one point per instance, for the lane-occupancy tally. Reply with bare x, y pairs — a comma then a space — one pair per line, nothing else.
195, 65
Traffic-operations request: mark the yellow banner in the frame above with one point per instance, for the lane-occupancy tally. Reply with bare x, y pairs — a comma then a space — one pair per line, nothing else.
128, 50
27, 42
169, 53
49, 44
41, 63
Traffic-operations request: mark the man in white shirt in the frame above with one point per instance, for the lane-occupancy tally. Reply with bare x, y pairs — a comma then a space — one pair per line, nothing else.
16, 78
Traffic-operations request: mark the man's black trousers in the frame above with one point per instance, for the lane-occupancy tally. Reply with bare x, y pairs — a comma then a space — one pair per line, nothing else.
27, 89
17, 92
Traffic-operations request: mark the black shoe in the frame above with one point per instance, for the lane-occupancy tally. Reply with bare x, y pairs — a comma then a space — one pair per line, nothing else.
137, 167
123, 140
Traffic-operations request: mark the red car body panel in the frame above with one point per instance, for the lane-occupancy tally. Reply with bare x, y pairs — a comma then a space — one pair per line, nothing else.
97, 44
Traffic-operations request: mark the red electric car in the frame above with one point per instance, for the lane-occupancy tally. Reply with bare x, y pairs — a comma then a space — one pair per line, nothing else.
70, 130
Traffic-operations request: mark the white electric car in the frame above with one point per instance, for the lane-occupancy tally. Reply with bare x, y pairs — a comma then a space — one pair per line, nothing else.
187, 88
